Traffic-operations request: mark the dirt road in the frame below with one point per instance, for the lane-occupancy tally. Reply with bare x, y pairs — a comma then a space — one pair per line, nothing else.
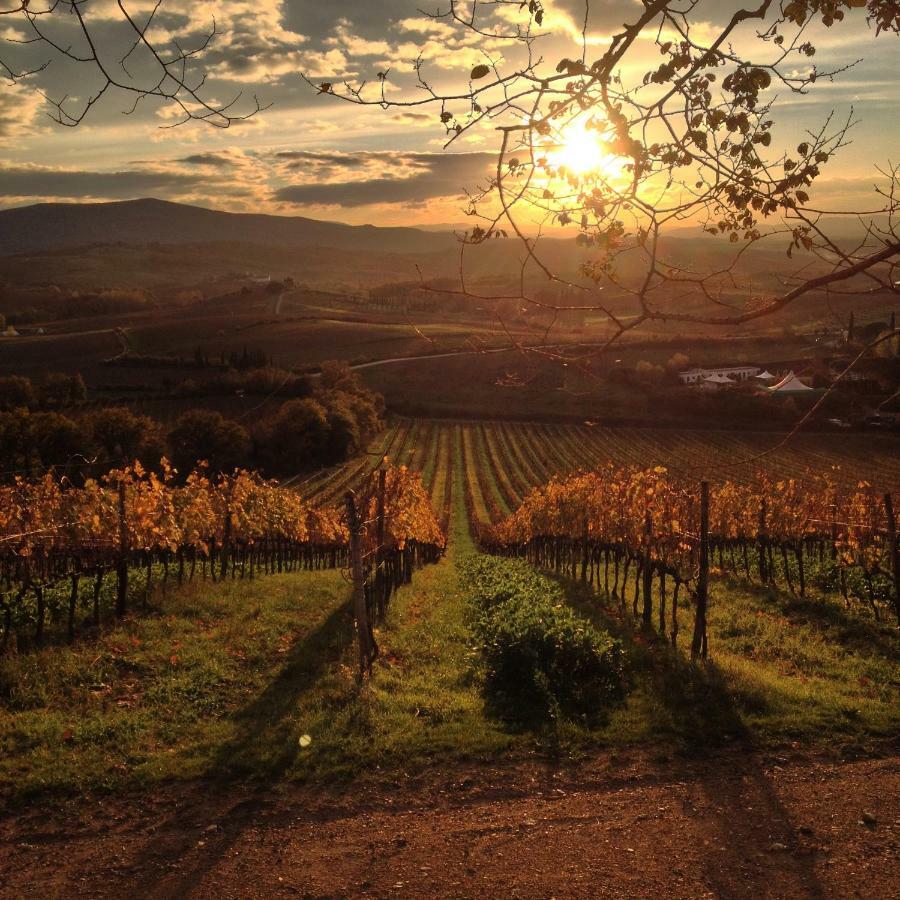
734, 825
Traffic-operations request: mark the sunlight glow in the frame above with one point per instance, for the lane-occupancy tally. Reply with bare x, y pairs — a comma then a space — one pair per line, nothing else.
583, 152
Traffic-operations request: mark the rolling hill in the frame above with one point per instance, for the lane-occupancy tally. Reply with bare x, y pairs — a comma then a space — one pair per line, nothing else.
50, 226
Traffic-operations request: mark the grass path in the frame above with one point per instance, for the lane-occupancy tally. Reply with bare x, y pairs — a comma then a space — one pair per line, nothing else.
425, 700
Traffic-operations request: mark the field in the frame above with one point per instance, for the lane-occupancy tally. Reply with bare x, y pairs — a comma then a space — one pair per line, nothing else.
295, 330
440, 358
501, 461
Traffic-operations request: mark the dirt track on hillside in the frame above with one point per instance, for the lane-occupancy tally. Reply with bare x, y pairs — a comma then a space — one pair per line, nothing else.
734, 825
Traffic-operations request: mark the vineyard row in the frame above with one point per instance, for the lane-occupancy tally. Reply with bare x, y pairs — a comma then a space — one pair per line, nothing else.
59, 543
604, 525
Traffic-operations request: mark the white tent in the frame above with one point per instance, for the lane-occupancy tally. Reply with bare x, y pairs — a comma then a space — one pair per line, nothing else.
765, 375
790, 384
716, 382
718, 378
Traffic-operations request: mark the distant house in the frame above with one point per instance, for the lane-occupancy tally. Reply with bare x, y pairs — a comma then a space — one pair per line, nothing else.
722, 375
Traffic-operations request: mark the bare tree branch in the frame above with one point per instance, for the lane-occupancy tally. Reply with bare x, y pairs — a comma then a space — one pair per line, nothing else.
66, 31
687, 141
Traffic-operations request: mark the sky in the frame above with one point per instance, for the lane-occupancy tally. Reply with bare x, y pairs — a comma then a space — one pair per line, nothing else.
311, 154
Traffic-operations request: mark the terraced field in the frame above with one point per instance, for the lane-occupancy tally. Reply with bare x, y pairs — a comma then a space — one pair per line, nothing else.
502, 461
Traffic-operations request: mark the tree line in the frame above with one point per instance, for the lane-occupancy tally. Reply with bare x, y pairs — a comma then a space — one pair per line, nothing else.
55, 390
338, 418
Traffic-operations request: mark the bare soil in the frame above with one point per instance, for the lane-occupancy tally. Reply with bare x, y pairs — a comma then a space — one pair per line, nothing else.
738, 824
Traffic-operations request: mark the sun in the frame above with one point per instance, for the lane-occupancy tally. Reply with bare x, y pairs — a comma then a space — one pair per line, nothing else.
582, 152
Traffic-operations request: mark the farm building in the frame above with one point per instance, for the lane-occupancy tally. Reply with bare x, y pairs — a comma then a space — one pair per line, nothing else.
730, 374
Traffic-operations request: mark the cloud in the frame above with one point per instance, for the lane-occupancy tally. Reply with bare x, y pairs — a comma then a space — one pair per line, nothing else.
296, 177
45, 181
217, 160
299, 160
411, 118
380, 177
20, 109
264, 45
354, 44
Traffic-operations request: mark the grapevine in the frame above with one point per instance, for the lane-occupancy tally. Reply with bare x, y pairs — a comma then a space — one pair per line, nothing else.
52, 531
602, 524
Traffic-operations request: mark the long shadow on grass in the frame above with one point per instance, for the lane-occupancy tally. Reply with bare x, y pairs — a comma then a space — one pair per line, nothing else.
263, 749
690, 703
695, 705
842, 625
265, 744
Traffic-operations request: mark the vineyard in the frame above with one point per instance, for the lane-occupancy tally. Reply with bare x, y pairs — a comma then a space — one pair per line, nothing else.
808, 512
817, 511
781, 578
59, 543
599, 525
503, 461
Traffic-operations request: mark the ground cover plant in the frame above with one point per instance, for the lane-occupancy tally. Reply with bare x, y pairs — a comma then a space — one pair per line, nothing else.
539, 660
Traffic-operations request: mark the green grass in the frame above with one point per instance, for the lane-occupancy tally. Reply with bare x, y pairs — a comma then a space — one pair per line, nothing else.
171, 694
222, 681
780, 669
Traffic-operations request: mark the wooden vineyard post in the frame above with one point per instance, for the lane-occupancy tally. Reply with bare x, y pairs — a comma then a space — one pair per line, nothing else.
834, 531
360, 613
73, 602
894, 551
647, 572
122, 563
584, 551
226, 535
382, 482
698, 644
379, 542
761, 543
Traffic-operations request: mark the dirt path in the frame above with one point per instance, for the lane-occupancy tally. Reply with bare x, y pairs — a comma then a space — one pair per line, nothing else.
735, 825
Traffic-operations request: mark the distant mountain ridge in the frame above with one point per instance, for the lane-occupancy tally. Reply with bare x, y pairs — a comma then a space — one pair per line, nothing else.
49, 226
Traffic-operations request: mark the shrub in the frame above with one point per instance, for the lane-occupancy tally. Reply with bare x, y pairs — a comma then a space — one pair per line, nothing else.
16, 391
540, 661
123, 436
58, 390
678, 362
36, 441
